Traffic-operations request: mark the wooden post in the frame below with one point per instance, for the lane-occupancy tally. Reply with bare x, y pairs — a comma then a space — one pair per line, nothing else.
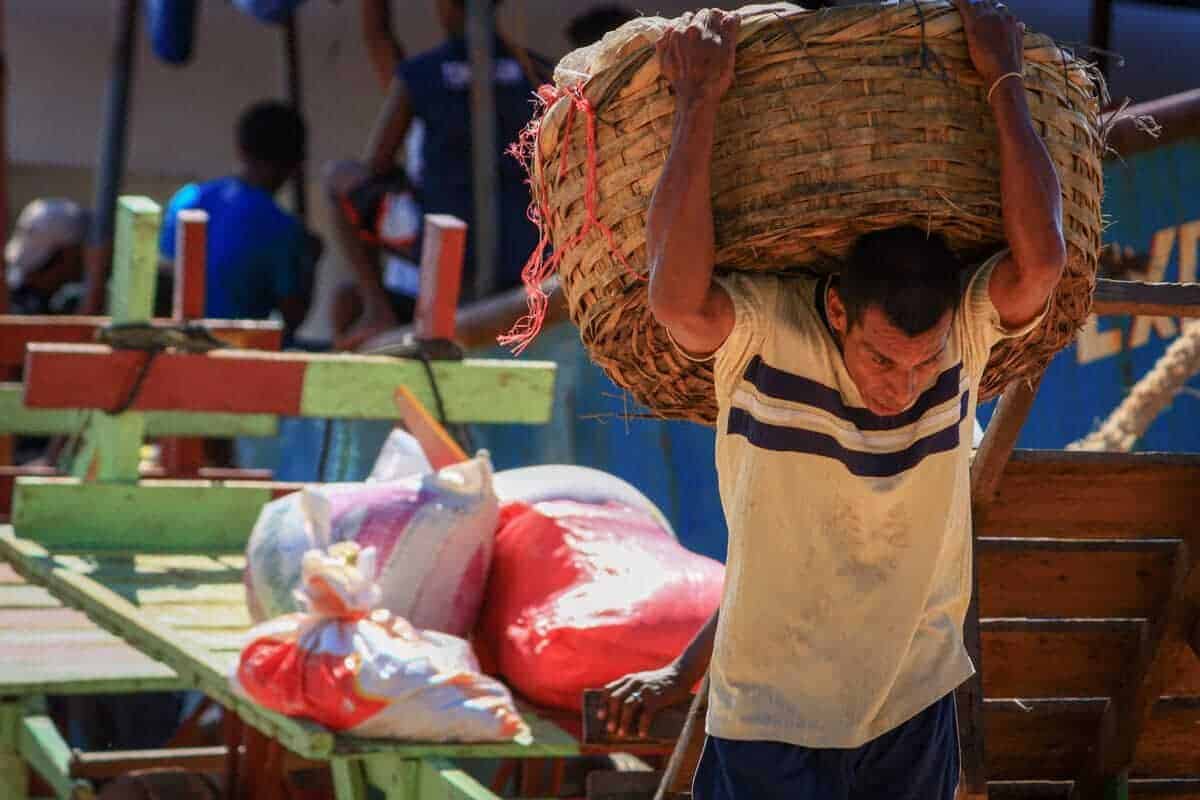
1101, 31
14, 775
293, 89
442, 252
486, 178
118, 438
112, 154
986, 471
184, 457
681, 767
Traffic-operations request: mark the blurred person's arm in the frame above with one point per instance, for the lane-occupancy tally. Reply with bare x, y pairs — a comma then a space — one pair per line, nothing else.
383, 48
391, 126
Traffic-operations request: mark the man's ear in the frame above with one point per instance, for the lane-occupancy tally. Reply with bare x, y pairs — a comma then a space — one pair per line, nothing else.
835, 309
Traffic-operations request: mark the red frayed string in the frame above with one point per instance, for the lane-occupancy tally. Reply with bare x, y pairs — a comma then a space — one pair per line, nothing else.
539, 268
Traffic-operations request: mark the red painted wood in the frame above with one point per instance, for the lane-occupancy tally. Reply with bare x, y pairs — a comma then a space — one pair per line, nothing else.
439, 446
95, 376
236, 474
442, 251
183, 457
18, 331
191, 237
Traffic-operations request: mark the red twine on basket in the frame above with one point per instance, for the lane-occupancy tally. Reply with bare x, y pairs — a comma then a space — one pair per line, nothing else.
541, 266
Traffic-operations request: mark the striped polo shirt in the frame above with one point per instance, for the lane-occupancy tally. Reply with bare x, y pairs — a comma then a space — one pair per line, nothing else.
849, 565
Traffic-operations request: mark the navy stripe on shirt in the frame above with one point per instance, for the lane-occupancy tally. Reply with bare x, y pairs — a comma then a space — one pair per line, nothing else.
793, 388
870, 465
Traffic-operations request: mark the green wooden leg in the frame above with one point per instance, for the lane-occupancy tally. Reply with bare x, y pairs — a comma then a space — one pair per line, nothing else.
390, 777
1117, 788
42, 748
14, 775
348, 780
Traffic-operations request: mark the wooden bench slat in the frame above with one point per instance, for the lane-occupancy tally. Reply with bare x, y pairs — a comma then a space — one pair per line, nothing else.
1051, 739
1117, 495
1071, 579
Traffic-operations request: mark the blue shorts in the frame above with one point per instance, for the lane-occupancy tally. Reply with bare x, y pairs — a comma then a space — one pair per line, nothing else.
917, 761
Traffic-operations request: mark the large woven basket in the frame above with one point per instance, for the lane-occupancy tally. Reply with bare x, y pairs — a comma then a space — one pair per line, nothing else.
840, 122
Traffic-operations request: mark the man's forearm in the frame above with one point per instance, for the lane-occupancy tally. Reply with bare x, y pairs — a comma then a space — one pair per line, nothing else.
1030, 194
679, 224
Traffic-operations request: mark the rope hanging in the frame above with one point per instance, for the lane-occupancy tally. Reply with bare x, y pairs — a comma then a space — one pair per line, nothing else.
1152, 395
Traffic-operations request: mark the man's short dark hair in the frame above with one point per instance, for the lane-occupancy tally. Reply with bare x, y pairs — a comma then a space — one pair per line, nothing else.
272, 133
911, 275
590, 27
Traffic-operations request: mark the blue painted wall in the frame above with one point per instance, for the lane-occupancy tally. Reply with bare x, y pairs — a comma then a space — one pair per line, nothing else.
1153, 202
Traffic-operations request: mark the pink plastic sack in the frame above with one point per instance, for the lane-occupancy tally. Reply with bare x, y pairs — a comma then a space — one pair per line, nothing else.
583, 593
433, 534
347, 665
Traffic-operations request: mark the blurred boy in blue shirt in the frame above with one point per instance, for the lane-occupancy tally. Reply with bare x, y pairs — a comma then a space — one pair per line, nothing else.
259, 256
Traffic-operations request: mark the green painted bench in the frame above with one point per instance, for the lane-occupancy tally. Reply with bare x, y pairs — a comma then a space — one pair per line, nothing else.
189, 612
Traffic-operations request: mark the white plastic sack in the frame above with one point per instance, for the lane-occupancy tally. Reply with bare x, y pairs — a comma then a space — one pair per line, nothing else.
400, 456
433, 534
350, 666
568, 482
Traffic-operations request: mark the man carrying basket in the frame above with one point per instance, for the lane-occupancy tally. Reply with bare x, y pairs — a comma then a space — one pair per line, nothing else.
846, 410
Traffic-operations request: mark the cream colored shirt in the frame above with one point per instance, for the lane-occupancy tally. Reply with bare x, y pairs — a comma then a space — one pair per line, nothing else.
849, 565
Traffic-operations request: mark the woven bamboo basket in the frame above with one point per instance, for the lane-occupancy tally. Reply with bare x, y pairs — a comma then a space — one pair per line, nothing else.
840, 122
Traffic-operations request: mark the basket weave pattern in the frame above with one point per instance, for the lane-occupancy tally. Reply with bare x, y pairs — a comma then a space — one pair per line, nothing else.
840, 122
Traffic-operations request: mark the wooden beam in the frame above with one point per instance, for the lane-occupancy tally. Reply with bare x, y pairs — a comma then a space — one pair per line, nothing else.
44, 750
291, 384
1042, 578
1146, 299
104, 765
16, 417
1109, 495
1000, 440
681, 766
442, 251
148, 517
1147, 676
437, 443
17, 332
14, 773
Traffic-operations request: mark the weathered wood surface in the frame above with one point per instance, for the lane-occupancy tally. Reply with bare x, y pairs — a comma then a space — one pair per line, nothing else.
17, 331
1146, 677
1146, 299
1097, 495
166, 516
1052, 739
47, 648
16, 417
189, 610
291, 384
443, 247
1066, 578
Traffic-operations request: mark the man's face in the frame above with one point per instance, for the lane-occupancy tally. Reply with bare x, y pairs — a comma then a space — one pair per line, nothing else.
890, 368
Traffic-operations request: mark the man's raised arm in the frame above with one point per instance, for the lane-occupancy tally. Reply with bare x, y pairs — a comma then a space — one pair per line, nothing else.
1030, 194
697, 58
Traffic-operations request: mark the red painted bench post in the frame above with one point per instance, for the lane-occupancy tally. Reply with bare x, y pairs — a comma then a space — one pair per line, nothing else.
442, 252
184, 457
